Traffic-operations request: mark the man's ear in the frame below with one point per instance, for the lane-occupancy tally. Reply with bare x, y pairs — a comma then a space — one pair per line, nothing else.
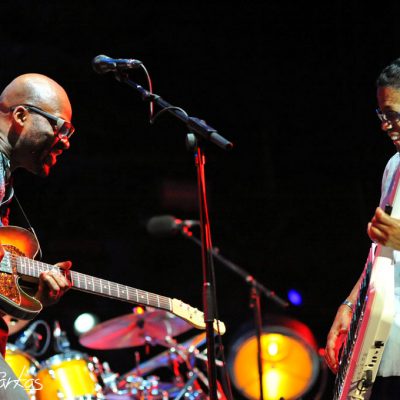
19, 115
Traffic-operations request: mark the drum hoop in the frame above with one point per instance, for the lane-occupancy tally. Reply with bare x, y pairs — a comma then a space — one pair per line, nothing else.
59, 359
14, 349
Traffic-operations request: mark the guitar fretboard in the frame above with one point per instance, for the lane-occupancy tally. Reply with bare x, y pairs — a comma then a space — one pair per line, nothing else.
86, 283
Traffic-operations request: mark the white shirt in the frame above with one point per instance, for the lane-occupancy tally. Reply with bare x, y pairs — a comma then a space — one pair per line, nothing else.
390, 363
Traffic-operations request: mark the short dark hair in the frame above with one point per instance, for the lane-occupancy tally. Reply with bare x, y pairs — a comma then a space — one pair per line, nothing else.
390, 76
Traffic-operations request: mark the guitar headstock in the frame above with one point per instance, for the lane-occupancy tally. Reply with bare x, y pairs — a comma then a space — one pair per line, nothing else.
194, 316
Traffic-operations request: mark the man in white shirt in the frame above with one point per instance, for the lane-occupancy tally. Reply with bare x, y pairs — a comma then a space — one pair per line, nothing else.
384, 230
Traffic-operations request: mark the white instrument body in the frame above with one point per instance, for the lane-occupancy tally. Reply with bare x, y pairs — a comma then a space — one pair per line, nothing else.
368, 341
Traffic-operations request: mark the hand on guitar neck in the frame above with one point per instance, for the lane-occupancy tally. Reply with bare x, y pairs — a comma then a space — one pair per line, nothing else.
53, 285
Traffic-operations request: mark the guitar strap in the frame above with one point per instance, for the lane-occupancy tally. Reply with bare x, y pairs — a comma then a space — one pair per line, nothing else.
30, 227
9, 194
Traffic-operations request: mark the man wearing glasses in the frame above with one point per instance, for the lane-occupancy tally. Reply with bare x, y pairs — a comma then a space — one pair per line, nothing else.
35, 128
384, 230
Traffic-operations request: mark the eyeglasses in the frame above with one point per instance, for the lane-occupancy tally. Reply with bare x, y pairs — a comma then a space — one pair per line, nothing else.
388, 116
63, 129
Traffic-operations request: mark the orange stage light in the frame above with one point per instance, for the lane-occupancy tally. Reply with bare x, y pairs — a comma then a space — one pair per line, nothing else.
289, 357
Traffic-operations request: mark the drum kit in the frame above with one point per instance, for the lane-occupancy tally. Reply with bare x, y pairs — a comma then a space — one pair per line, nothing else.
74, 375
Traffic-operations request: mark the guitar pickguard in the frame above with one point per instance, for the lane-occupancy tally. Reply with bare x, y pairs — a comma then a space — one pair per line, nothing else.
8, 282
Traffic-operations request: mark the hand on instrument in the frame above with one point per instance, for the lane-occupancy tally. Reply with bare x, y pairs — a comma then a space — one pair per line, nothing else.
336, 336
52, 285
384, 229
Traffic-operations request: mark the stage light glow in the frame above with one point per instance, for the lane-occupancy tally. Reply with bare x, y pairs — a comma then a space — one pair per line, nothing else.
138, 310
295, 297
84, 323
273, 349
290, 361
272, 382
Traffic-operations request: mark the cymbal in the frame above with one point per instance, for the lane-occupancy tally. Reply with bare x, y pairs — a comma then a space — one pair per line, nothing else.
136, 329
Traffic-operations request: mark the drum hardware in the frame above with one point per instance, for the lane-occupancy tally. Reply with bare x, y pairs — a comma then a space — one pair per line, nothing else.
30, 339
193, 384
188, 381
139, 388
61, 342
69, 374
109, 378
188, 385
165, 358
72, 375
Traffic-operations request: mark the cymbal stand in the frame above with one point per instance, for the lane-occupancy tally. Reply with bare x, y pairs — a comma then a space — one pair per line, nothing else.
189, 383
109, 378
194, 372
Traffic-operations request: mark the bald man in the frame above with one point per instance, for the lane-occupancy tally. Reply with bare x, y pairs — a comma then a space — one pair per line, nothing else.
35, 127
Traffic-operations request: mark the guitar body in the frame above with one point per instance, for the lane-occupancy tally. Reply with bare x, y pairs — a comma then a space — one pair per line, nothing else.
13, 299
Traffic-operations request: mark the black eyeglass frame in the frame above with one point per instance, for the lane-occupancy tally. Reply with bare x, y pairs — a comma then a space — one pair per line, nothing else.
383, 117
64, 129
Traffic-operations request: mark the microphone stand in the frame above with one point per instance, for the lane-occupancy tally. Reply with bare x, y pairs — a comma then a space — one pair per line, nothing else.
255, 304
207, 263
256, 288
249, 279
202, 131
196, 125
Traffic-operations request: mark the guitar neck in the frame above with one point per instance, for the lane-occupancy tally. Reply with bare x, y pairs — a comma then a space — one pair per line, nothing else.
90, 284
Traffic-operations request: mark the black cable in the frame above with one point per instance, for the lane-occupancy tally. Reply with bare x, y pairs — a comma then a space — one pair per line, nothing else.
152, 120
150, 89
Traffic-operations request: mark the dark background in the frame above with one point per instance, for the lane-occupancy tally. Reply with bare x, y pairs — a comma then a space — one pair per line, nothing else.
293, 87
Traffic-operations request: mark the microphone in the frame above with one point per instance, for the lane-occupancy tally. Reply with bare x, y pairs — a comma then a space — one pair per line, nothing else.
103, 64
167, 225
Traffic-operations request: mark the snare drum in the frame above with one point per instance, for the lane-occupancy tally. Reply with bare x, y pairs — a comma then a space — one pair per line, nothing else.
24, 367
72, 375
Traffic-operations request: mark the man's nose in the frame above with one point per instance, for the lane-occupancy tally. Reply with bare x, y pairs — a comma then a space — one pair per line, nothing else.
63, 143
386, 125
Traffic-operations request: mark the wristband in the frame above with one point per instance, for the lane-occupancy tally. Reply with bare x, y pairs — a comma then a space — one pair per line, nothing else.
349, 304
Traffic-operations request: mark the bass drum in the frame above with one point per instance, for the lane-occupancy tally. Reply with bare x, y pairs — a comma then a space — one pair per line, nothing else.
71, 376
25, 368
